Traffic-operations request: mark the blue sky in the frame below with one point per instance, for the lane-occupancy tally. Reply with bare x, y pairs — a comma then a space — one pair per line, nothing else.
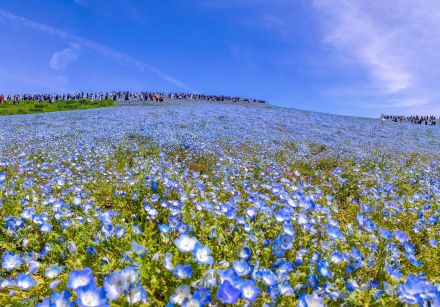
338, 56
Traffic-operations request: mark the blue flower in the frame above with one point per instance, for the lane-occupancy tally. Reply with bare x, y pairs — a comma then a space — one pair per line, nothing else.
46, 302
351, 285
203, 254
249, 291
412, 291
245, 253
400, 236
80, 278
337, 257
91, 296
54, 284
312, 281
116, 284
185, 243
311, 300
227, 294
183, 271
203, 295
33, 267
91, 250
241, 268
138, 249
46, 227
167, 262
11, 261
53, 271
136, 295
323, 268
334, 233
164, 228
269, 278
62, 299
25, 281
180, 295
136, 230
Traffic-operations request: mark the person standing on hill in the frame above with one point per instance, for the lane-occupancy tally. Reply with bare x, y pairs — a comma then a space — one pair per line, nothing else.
2, 99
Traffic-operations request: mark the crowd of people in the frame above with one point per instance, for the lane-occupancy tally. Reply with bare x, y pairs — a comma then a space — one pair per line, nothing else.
413, 119
121, 96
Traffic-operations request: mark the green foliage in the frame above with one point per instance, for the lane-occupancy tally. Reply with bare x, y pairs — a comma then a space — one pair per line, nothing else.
32, 107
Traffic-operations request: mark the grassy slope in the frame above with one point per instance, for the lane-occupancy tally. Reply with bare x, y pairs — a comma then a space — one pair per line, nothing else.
32, 107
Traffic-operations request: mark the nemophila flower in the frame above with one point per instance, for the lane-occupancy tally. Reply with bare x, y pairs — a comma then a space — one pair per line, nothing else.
334, 233
203, 295
203, 254
136, 230
283, 268
310, 300
25, 281
413, 259
33, 267
138, 249
167, 262
46, 302
351, 285
154, 186
185, 243
62, 299
2, 177
249, 291
136, 295
116, 284
241, 268
414, 290
394, 272
277, 248
132, 274
323, 268
209, 279
183, 271
286, 241
288, 228
53, 271
245, 253
164, 228
90, 250
54, 284
337, 257
80, 278
227, 294
269, 278
6, 283
46, 227
400, 236
91, 296
180, 295
385, 233
312, 281
11, 261
71, 247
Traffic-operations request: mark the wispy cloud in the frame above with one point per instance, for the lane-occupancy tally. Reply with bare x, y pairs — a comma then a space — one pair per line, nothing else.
61, 59
393, 41
97, 47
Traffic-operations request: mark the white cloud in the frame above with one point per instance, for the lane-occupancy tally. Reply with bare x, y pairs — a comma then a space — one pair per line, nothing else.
97, 47
395, 42
61, 59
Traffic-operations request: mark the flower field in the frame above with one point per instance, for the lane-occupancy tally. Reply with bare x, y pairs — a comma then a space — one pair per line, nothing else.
205, 204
